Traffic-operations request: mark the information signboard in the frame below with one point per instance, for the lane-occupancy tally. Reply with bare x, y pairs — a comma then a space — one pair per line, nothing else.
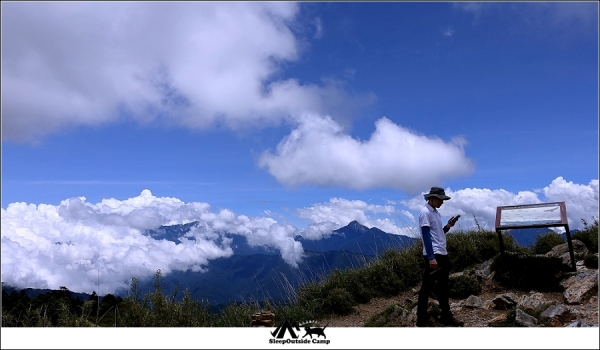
533, 216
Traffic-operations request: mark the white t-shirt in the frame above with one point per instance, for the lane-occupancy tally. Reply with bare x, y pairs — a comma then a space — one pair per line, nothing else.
429, 216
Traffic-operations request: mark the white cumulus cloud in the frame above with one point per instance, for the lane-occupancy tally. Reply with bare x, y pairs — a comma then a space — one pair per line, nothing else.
48, 246
319, 152
196, 64
480, 204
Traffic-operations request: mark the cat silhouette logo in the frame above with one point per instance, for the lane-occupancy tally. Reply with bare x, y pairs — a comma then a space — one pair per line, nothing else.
316, 331
292, 327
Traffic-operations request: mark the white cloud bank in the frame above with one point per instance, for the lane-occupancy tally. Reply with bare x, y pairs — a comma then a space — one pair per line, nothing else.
338, 212
49, 246
581, 202
46, 246
318, 152
196, 64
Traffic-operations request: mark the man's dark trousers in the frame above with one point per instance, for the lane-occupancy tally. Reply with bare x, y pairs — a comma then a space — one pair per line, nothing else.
442, 291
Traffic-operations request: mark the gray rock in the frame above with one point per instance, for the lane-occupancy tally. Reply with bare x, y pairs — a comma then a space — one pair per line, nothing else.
488, 305
525, 319
575, 323
580, 287
561, 249
505, 301
559, 314
556, 311
532, 303
484, 270
473, 302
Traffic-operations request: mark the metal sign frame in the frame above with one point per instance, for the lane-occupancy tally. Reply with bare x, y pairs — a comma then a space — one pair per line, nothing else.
553, 214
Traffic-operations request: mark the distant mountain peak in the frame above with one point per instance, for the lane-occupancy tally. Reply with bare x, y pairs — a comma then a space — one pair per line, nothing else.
356, 226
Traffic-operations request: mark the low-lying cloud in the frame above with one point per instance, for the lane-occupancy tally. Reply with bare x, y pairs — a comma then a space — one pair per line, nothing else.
49, 246
477, 206
75, 243
338, 212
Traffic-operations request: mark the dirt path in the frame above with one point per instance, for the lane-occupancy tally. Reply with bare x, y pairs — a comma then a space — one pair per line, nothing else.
588, 312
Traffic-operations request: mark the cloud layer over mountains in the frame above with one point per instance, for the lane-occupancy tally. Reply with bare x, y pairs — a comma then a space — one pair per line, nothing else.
76, 243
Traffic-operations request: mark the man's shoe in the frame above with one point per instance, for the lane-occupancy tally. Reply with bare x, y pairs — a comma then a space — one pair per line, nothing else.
451, 321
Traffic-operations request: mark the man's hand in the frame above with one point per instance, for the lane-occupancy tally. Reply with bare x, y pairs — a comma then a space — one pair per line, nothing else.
433, 265
452, 221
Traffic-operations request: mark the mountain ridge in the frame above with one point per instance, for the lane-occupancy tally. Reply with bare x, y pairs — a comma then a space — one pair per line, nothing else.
258, 273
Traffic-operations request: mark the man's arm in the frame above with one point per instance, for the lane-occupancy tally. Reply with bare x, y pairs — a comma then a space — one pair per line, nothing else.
426, 233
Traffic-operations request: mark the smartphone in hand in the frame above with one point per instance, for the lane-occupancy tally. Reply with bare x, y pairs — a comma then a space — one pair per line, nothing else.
455, 219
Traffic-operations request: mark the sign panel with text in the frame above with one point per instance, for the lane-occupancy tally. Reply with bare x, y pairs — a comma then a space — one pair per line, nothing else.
533, 216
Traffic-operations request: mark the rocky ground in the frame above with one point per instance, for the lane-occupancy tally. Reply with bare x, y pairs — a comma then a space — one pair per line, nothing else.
577, 306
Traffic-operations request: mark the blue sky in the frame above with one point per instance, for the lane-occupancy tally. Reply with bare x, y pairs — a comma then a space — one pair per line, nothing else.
273, 120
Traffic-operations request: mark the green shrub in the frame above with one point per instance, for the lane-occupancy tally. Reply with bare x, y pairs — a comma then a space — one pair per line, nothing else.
339, 301
394, 271
237, 315
405, 266
467, 249
356, 282
526, 272
591, 261
310, 297
294, 311
463, 286
544, 243
383, 280
589, 235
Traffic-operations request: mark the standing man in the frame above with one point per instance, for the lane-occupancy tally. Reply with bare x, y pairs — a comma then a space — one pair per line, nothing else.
437, 264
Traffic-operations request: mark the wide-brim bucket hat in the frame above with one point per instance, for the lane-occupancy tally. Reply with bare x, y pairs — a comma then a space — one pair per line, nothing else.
436, 192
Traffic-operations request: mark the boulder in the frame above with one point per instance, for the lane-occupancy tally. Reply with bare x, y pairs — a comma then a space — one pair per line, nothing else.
505, 301
580, 287
484, 271
263, 319
558, 315
580, 266
532, 303
525, 319
473, 302
555, 311
488, 305
562, 249
403, 316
